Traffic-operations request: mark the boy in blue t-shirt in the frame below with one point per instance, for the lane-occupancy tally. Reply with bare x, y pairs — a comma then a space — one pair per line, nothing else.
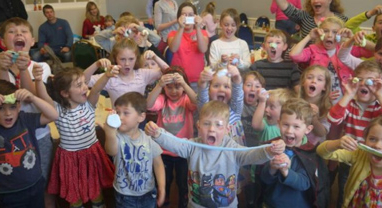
21, 181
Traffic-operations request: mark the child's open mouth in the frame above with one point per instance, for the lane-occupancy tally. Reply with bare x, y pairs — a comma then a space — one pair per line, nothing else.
289, 139
317, 6
221, 98
273, 52
312, 88
364, 91
19, 45
211, 140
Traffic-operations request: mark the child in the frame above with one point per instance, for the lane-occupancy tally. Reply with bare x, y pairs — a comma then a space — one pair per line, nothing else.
298, 177
205, 164
21, 180
229, 49
316, 89
136, 156
253, 81
224, 86
189, 43
81, 167
131, 77
277, 72
357, 107
267, 113
107, 38
325, 51
109, 23
363, 185
19, 72
354, 23
175, 102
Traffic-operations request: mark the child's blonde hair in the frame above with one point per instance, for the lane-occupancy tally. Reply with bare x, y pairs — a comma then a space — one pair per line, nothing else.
333, 20
368, 66
300, 108
125, 20
210, 9
109, 18
215, 108
257, 76
17, 21
281, 95
376, 121
276, 33
126, 43
324, 103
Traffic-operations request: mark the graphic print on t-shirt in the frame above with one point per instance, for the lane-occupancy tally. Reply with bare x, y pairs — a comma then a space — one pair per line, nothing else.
173, 119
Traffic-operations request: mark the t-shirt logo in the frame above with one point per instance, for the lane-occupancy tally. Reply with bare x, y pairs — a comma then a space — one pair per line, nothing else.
173, 119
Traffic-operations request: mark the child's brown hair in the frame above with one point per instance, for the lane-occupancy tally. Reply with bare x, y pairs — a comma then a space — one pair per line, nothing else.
368, 66
257, 76
17, 21
276, 33
231, 12
135, 99
176, 69
300, 108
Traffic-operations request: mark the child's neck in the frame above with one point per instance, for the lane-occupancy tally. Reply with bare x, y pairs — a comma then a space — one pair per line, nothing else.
276, 60
133, 133
376, 171
224, 38
314, 100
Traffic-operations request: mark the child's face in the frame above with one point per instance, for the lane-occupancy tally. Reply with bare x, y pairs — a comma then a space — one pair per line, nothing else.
374, 140
220, 89
18, 38
272, 110
314, 83
292, 129
330, 30
151, 64
378, 56
130, 118
77, 93
251, 85
275, 46
320, 6
126, 58
9, 114
364, 95
188, 12
212, 129
109, 23
173, 91
228, 27
377, 27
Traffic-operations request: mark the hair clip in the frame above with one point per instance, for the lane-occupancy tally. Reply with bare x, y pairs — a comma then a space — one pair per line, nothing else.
369, 82
9, 99
338, 38
355, 80
273, 45
114, 121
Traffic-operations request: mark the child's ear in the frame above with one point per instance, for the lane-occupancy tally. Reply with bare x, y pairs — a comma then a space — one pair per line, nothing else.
285, 46
2, 42
197, 125
142, 117
64, 94
33, 42
309, 128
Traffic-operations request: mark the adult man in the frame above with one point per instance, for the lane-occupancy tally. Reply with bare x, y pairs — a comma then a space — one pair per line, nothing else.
56, 33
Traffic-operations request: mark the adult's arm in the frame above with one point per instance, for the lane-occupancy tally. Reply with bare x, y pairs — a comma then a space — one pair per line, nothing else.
69, 35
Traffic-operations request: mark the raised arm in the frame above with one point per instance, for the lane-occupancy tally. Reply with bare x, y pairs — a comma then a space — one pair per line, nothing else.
104, 63
174, 42
39, 84
282, 4
257, 119
111, 141
299, 47
100, 84
202, 40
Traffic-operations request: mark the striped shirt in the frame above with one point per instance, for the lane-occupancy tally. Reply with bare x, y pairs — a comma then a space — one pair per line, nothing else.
76, 127
304, 19
356, 119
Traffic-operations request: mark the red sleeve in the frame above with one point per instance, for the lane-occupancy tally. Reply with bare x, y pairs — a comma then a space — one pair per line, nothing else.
273, 7
102, 22
361, 52
337, 114
85, 28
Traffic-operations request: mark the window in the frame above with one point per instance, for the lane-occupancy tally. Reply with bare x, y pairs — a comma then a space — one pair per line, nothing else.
31, 2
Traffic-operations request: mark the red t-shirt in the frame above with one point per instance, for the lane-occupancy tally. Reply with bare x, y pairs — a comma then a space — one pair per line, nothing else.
87, 27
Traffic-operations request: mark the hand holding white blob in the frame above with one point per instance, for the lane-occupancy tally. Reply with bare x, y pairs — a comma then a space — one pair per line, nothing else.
263, 91
235, 61
369, 82
338, 38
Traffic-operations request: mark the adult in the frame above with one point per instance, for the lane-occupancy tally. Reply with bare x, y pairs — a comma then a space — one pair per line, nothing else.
56, 33
93, 18
282, 21
150, 11
313, 13
165, 20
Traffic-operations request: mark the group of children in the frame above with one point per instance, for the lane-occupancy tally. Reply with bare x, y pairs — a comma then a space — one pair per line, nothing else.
271, 117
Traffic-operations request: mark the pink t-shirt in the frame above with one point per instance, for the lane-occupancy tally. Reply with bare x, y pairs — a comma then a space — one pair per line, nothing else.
175, 117
117, 87
188, 55
280, 14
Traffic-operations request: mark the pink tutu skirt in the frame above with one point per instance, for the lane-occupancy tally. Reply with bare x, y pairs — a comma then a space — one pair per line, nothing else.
81, 174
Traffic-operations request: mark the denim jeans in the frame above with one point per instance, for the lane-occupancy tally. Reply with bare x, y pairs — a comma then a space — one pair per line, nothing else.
28, 198
147, 200
64, 57
286, 25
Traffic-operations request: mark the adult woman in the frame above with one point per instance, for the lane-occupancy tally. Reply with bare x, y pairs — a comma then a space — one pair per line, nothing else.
93, 18
313, 14
165, 20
